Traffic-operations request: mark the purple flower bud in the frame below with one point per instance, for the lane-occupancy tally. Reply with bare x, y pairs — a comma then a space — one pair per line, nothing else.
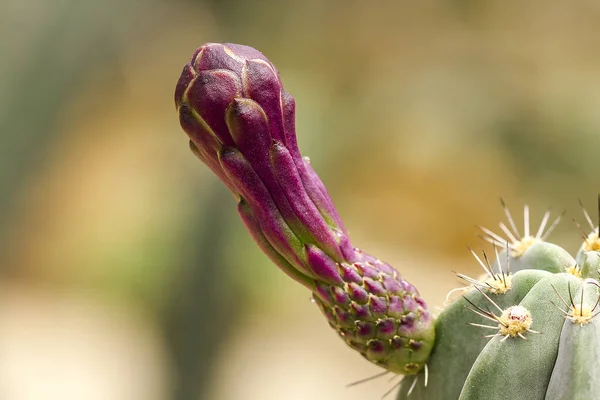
240, 123
231, 96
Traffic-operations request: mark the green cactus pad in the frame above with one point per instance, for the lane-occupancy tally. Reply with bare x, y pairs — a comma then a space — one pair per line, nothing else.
575, 375
540, 255
500, 373
458, 345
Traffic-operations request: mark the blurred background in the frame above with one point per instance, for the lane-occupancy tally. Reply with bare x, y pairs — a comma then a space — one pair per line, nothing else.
124, 271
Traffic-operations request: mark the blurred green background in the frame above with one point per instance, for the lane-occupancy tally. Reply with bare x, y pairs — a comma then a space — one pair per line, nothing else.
124, 271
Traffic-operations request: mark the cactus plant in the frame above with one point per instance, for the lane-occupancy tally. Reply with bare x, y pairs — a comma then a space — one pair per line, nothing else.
532, 331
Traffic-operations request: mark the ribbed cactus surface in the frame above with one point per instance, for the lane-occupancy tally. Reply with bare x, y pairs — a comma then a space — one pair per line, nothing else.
548, 349
525, 330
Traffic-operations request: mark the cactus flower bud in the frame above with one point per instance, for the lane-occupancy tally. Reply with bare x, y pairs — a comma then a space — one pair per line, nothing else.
241, 124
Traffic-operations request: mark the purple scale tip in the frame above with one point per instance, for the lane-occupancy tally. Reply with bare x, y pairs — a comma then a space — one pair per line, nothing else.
409, 303
415, 345
340, 296
344, 318
376, 349
408, 287
378, 305
398, 342
366, 271
374, 287
376, 346
323, 290
385, 268
386, 327
365, 330
364, 257
425, 316
391, 285
407, 323
349, 274
361, 311
396, 307
358, 293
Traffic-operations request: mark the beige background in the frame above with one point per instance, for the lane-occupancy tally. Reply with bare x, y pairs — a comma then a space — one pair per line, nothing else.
417, 115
